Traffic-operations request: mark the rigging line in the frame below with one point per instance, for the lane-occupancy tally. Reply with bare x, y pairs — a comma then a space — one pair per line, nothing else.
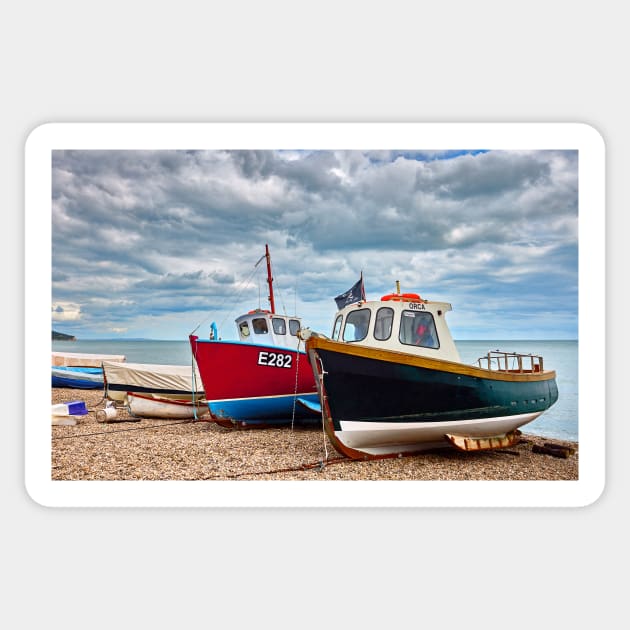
239, 289
284, 308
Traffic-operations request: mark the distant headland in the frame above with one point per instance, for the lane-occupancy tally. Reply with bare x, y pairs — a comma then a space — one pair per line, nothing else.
57, 336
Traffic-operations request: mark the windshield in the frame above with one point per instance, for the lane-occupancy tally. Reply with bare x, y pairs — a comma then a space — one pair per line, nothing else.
357, 323
418, 329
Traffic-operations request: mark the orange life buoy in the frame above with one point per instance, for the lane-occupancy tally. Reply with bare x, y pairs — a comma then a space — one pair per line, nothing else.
401, 297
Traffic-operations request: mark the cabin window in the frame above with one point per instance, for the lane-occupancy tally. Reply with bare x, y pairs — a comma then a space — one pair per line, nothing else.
279, 326
260, 326
244, 329
294, 326
418, 329
383, 323
337, 328
357, 323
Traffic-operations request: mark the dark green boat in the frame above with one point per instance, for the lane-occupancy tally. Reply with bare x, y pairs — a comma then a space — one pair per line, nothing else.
391, 382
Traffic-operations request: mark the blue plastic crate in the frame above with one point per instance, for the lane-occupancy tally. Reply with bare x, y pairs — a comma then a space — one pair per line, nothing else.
77, 408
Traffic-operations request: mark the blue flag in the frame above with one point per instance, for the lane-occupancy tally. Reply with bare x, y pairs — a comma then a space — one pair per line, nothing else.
355, 294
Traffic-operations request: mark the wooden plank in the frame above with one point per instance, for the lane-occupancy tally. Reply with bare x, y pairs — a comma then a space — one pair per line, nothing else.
556, 450
472, 443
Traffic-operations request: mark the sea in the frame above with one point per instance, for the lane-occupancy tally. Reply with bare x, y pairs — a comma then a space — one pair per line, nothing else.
560, 422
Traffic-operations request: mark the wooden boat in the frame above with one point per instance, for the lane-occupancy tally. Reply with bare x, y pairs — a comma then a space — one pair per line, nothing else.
179, 382
148, 406
77, 377
391, 382
261, 379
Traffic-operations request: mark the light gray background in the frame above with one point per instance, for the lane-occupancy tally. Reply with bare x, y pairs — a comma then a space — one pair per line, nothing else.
325, 61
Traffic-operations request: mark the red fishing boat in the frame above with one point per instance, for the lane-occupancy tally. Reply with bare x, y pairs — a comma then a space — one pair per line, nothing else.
263, 378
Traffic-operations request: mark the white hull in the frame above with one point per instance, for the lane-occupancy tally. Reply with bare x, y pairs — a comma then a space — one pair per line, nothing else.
148, 407
378, 438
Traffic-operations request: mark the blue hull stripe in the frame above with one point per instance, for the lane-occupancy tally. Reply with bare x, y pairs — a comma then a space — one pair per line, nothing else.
74, 383
273, 408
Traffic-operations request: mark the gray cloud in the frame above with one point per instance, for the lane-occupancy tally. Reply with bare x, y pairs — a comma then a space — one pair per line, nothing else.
142, 235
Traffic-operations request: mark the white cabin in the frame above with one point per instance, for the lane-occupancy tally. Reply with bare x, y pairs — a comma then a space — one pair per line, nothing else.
399, 321
262, 327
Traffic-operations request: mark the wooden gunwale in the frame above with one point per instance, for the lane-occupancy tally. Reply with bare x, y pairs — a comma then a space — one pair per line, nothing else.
395, 356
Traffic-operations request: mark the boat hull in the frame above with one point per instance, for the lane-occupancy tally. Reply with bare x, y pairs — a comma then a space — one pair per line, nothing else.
77, 377
155, 407
254, 385
379, 402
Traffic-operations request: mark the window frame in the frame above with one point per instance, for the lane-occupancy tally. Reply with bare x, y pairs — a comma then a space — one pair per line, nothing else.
260, 332
298, 323
348, 320
283, 321
391, 327
338, 320
416, 315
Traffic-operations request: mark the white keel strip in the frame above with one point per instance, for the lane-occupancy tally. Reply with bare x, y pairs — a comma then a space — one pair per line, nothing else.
377, 438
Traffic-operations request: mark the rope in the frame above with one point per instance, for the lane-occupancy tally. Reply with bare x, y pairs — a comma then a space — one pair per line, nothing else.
154, 426
225, 299
321, 388
193, 379
297, 366
280, 294
319, 464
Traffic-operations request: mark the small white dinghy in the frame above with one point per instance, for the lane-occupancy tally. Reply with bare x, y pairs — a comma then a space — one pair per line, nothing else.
165, 408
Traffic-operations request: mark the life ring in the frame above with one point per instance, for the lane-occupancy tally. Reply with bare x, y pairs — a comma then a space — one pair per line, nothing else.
401, 297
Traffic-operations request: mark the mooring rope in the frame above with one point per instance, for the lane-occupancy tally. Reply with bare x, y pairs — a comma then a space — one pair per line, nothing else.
321, 464
297, 369
320, 376
153, 426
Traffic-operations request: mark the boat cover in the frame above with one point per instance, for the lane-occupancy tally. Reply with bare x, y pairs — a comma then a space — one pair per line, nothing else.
82, 359
150, 377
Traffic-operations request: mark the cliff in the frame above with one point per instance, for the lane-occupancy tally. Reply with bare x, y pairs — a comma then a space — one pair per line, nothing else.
57, 336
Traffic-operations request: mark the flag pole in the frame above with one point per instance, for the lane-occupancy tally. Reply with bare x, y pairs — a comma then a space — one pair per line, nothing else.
270, 280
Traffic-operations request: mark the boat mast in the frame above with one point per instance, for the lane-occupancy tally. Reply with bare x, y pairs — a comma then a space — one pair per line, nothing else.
270, 280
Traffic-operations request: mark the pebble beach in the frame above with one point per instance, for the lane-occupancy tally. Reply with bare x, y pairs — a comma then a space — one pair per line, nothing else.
130, 448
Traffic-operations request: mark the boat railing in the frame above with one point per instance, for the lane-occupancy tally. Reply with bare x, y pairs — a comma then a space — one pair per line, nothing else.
515, 362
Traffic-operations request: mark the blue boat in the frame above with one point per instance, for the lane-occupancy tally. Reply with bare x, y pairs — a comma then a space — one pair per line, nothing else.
77, 377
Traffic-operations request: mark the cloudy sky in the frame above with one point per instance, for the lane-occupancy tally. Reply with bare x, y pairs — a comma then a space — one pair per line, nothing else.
158, 243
